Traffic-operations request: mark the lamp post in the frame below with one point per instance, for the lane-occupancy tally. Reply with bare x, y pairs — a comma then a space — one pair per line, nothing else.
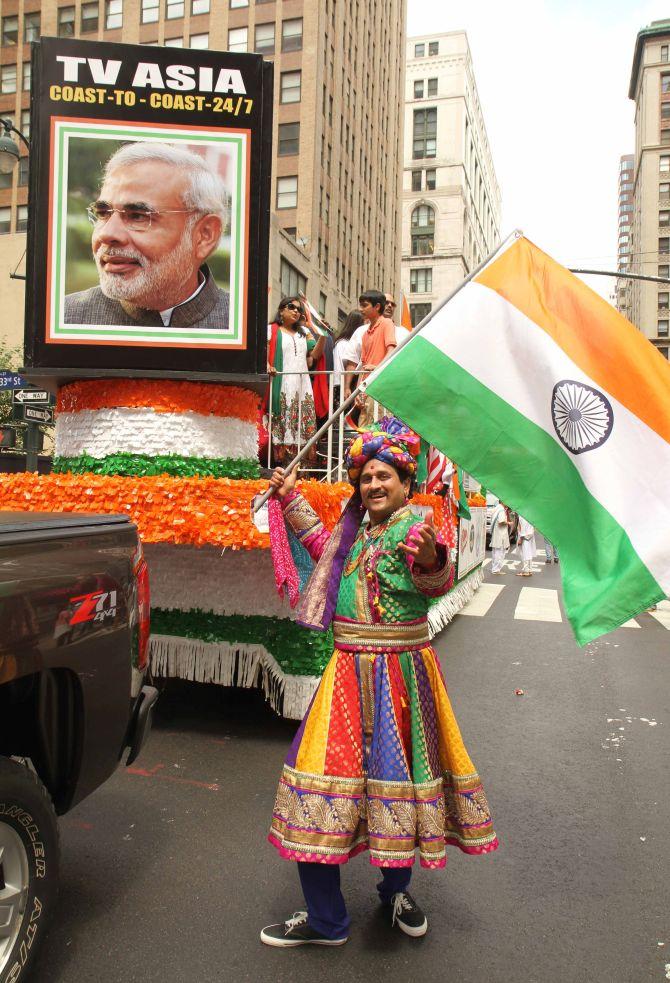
9, 158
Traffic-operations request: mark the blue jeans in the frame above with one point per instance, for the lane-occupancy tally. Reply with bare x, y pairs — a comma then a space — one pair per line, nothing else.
326, 910
550, 551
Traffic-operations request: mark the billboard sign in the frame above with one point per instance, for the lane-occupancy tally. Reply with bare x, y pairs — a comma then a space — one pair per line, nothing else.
471, 541
149, 218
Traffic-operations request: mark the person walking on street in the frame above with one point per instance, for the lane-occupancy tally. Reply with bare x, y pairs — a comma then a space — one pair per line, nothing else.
499, 538
527, 547
378, 762
550, 552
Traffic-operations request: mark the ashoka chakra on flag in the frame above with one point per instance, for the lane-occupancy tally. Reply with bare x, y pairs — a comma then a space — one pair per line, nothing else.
582, 416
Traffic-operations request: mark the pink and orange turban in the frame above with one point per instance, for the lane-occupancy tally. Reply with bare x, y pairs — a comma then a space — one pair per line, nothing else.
388, 440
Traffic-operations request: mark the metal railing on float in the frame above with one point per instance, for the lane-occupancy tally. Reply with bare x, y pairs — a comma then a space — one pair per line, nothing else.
328, 465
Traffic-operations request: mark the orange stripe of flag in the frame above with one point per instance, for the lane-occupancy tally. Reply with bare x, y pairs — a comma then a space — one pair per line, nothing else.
599, 340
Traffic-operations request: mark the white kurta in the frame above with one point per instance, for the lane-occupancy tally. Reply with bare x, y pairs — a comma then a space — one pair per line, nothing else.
526, 539
499, 529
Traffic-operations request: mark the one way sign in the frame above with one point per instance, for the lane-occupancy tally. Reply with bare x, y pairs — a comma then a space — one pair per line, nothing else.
34, 414
39, 396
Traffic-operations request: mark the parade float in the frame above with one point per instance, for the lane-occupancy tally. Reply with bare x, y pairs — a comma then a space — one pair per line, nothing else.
181, 459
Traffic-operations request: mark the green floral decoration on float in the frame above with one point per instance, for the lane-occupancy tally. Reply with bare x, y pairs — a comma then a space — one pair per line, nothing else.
299, 651
143, 465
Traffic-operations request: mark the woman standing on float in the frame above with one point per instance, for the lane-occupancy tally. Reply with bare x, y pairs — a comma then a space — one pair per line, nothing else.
378, 762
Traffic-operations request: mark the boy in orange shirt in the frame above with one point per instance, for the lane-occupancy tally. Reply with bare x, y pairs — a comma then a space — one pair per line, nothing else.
378, 341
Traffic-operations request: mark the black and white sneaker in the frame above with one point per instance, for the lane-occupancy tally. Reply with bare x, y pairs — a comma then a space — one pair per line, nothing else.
295, 931
407, 915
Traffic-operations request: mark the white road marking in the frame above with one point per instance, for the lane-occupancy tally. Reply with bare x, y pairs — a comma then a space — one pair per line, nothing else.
630, 624
538, 604
480, 604
662, 614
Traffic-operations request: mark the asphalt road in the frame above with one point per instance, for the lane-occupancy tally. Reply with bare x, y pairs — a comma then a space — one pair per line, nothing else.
167, 875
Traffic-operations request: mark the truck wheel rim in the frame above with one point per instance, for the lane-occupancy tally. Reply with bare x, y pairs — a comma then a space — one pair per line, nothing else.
14, 883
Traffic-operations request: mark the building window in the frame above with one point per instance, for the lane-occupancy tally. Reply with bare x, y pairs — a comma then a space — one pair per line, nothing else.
31, 27
425, 133
665, 83
417, 313
149, 12
26, 76
664, 245
290, 230
199, 7
199, 41
10, 30
287, 192
292, 280
291, 34
113, 14
264, 41
663, 299
433, 48
238, 39
22, 218
174, 42
24, 167
238, 3
664, 218
419, 50
662, 329
8, 79
432, 87
421, 280
665, 110
416, 180
664, 163
663, 351
665, 137
174, 9
66, 22
664, 52
664, 271
89, 17
323, 300
25, 123
5, 220
431, 179
289, 139
6, 179
290, 87
423, 231
418, 89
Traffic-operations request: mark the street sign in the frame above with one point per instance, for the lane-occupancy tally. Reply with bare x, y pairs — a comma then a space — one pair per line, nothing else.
11, 380
40, 396
34, 414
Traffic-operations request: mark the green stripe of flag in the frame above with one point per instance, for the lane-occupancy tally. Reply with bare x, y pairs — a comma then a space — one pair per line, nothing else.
604, 581
143, 465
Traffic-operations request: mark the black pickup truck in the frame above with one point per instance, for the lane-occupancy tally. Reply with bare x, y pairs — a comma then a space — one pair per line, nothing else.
74, 637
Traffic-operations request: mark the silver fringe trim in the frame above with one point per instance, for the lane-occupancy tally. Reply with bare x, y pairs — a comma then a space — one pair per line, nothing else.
232, 664
441, 613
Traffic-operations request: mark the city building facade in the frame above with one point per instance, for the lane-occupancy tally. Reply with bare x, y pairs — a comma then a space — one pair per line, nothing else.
450, 196
625, 227
337, 140
650, 239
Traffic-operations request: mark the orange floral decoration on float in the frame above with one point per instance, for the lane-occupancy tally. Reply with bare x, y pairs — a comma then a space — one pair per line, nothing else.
160, 395
194, 511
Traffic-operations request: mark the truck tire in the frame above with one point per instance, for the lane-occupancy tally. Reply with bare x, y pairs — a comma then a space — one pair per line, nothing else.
29, 854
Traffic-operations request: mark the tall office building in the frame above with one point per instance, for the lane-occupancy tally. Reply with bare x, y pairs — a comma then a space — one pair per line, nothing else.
625, 226
337, 148
650, 253
450, 196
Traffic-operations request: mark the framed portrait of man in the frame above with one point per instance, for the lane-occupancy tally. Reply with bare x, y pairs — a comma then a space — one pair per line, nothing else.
153, 211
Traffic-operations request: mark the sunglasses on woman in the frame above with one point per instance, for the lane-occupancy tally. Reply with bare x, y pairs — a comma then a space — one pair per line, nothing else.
293, 307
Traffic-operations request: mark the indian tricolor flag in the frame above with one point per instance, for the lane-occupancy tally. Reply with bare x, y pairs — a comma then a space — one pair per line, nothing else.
542, 391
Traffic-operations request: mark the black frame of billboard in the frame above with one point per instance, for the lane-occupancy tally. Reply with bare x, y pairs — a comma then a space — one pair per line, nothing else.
59, 361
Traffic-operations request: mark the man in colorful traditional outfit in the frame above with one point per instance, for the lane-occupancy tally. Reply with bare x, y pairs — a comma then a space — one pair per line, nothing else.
378, 762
